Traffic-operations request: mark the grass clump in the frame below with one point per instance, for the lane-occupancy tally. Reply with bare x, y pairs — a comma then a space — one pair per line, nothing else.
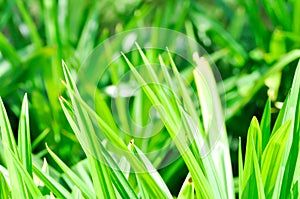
269, 169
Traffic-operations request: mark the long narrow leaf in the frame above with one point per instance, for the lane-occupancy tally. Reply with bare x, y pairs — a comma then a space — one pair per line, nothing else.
24, 142
272, 157
100, 172
52, 184
25, 177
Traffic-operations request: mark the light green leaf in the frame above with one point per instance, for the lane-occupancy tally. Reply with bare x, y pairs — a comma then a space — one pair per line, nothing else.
24, 142
293, 153
23, 176
187, 190
219, 174
272, 157
86, 191
9, 143
52, 184
172, 122
250, 186
100, 172
5, 192
152, 171
258, 175
240, 165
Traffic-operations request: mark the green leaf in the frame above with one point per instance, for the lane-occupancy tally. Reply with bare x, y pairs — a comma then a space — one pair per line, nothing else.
213, 122
86, 191
293, 154
250, 186
258, 175
187, 190
5, 192
99, 170
272, 157
24, 142
76, 194
295, 191
9, 143
121, 183
288, 111
152, 171
183, 92
240, 165
118, 178
52, 184
109, 132
22, 176
172, 122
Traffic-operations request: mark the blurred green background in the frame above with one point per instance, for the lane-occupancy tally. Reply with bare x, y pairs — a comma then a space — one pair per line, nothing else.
253, 43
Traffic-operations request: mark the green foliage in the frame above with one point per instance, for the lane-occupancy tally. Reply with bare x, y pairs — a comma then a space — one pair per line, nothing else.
255, 45
263, 175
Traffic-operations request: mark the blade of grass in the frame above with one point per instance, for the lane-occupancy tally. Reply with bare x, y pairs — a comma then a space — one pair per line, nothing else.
39, 139
201, 183
291, 152
258, 175
100, 172
76, 194
187, 189
108, 131
52, 184
5, 192
24, 142
72, 176
272, 157
77, 97
153, 172
83, 172
154, 79
293, 157
240, 165
121, 183
9, 143
295, 190
292, 100
213, 122
194, 137
250, 187
184, 94
23, 176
